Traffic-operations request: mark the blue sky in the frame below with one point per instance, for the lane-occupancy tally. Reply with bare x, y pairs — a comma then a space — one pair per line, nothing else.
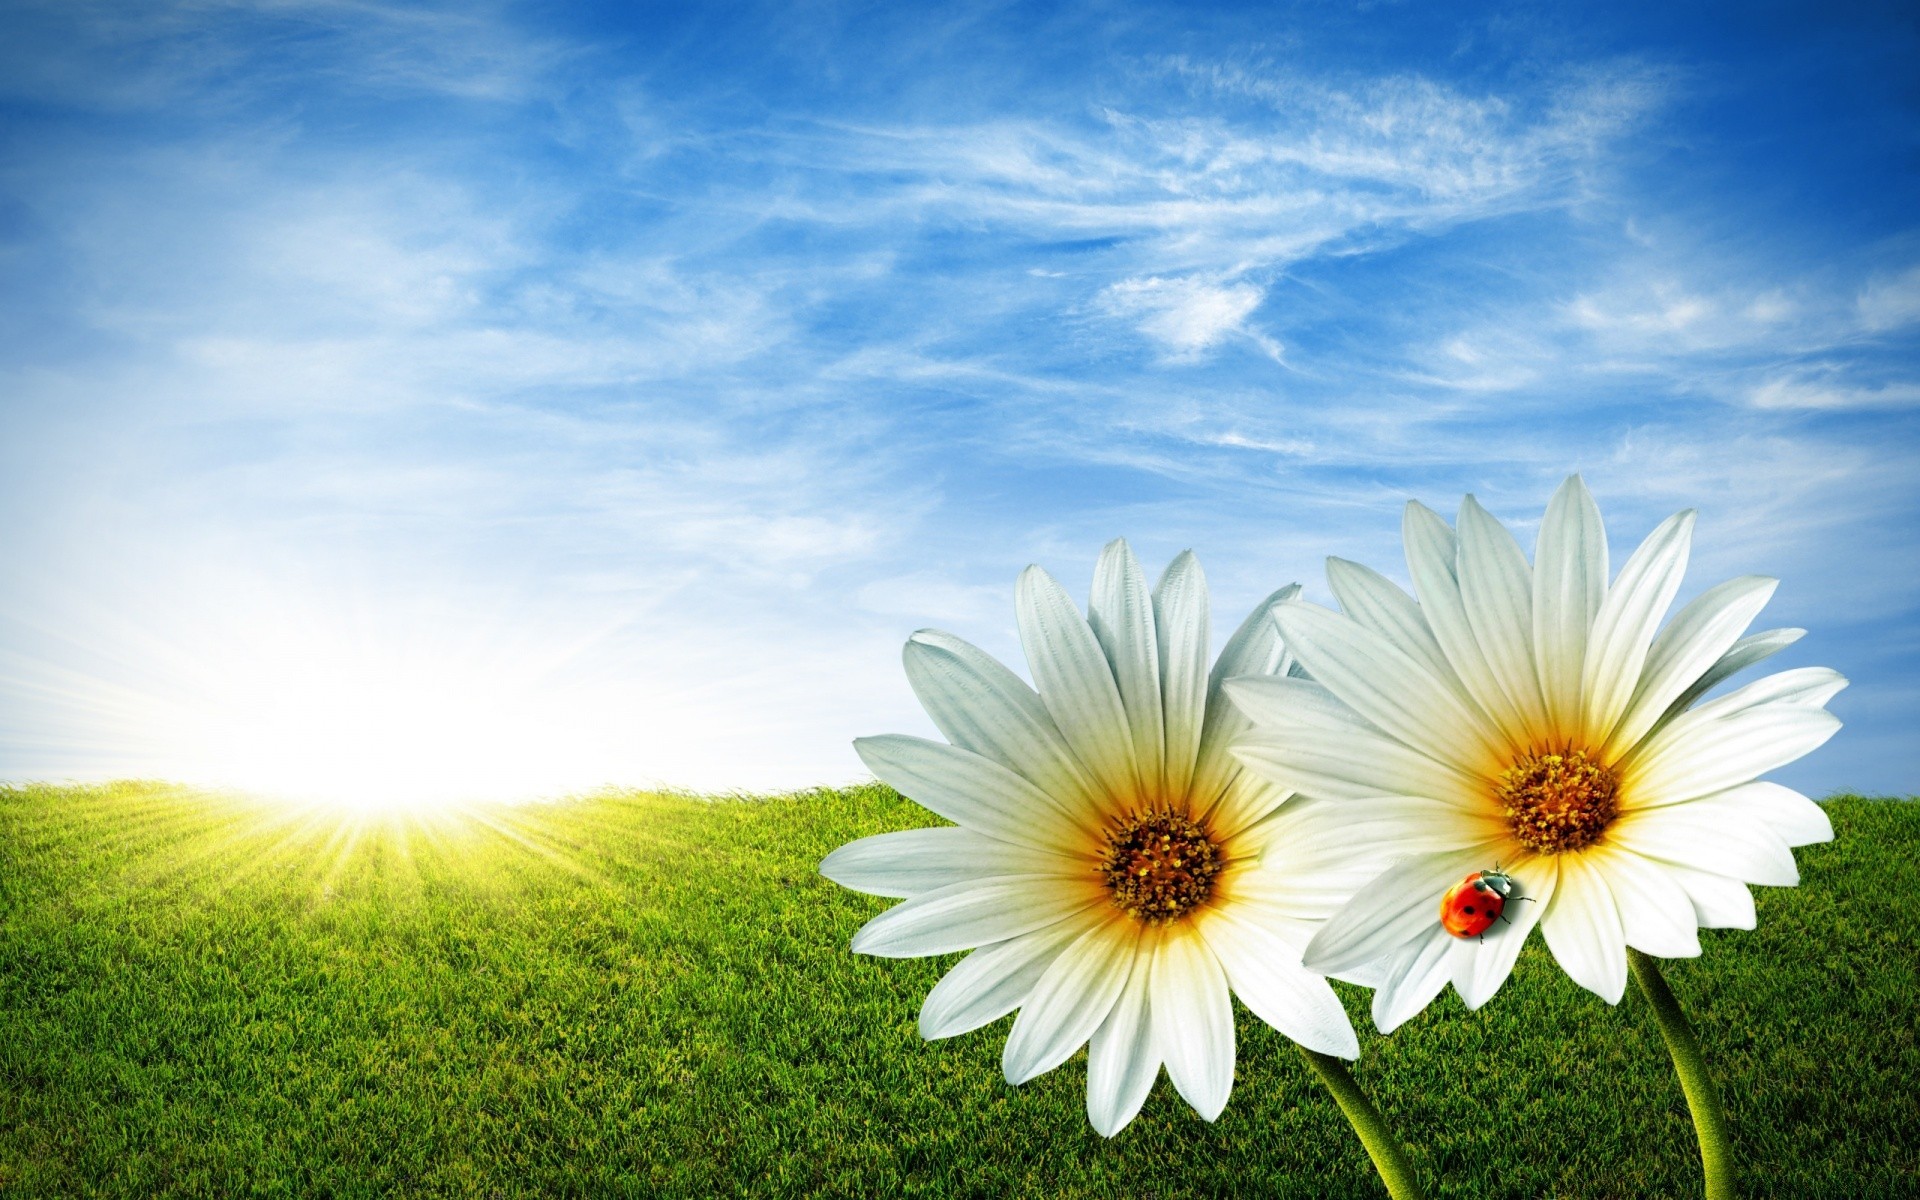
528, 397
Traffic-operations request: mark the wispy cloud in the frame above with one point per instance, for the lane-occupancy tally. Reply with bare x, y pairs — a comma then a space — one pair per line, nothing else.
672, 377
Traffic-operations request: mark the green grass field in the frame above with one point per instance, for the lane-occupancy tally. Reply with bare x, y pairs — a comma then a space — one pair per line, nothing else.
635, 994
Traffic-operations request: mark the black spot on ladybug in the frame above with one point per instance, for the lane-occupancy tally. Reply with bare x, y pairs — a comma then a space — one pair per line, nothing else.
1469, 910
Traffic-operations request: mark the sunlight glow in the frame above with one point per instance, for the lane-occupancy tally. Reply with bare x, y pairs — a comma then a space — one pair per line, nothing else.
387, 723
369, 701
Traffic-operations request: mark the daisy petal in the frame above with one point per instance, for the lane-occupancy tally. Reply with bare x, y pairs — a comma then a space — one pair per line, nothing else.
1181, 620
961, 916
980, 705
1798, 820
1353, 763
1266, 974
1381, 683
1122, 1061
1702, 752
1488, 963
1749, 650
1290, 703
1415, 977
1433, 554
1655, 914
1247, 800
922, 860
1569, 584
1623, 629
1400, 826
1497, 586
1370, 976
1120, 613
1715, 834
994, 980
1071, 1000
1254, 649
972, 791
1582, 928
1691, 643
1718, 902
1075, 680
1806, 687
1402, 903
1193, 1019
1372, 599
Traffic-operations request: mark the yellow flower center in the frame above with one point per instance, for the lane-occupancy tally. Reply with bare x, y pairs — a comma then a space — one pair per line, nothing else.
1159, 866
1557, 802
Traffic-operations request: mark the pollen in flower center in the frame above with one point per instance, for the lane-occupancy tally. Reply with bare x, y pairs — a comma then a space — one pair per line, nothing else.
1558, 802
1159, 866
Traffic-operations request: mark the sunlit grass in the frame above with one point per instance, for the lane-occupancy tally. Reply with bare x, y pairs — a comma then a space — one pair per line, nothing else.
635, 994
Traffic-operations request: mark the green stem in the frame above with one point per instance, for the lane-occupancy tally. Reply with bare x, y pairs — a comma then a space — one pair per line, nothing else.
1709, 1119
1388, 1158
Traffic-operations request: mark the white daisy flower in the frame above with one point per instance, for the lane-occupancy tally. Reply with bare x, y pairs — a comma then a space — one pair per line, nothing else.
1526, 720
1100, 861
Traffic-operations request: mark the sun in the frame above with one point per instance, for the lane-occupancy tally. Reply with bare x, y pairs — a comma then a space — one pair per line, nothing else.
381, 704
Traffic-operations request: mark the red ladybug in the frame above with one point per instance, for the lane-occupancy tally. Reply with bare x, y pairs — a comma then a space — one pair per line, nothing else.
1471, 906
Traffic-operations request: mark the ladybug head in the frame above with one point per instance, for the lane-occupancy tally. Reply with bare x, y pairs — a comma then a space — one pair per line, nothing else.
1499, 881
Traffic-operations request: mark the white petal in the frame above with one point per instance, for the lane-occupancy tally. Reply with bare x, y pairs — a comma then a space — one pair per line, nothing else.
1248, 800
1655, 915
1075, 680
1798, 820
972, 791
1372, 599
921, 860
994, 980
1254, 649
1432, 559
1353, 762
1302, 874
1713, 834
1193, 1019
1287, 702
1071, 1000
1380, 682
1414, 978
1582, 928
1370, 976
1718, 902
1401, 904
1488, 963
1749, 650
1623, 629
1805, 687
964, 915
1122, 1060
1266, 974
1396, 827
1120, 613
1702, 752
980, 705
1181, 620
1688, 647
1497, 586
1569, 584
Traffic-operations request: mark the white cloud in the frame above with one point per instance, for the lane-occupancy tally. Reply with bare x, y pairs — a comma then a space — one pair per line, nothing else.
1891, 302
1829, 390
1187, 316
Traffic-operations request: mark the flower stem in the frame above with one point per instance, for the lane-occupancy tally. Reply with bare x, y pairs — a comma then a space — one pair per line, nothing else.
1388, 1158
1709, 1119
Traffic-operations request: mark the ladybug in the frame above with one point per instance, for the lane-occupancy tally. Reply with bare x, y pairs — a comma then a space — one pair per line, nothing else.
1471, 906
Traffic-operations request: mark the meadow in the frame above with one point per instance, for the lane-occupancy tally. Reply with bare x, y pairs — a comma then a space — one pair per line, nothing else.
633, 994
